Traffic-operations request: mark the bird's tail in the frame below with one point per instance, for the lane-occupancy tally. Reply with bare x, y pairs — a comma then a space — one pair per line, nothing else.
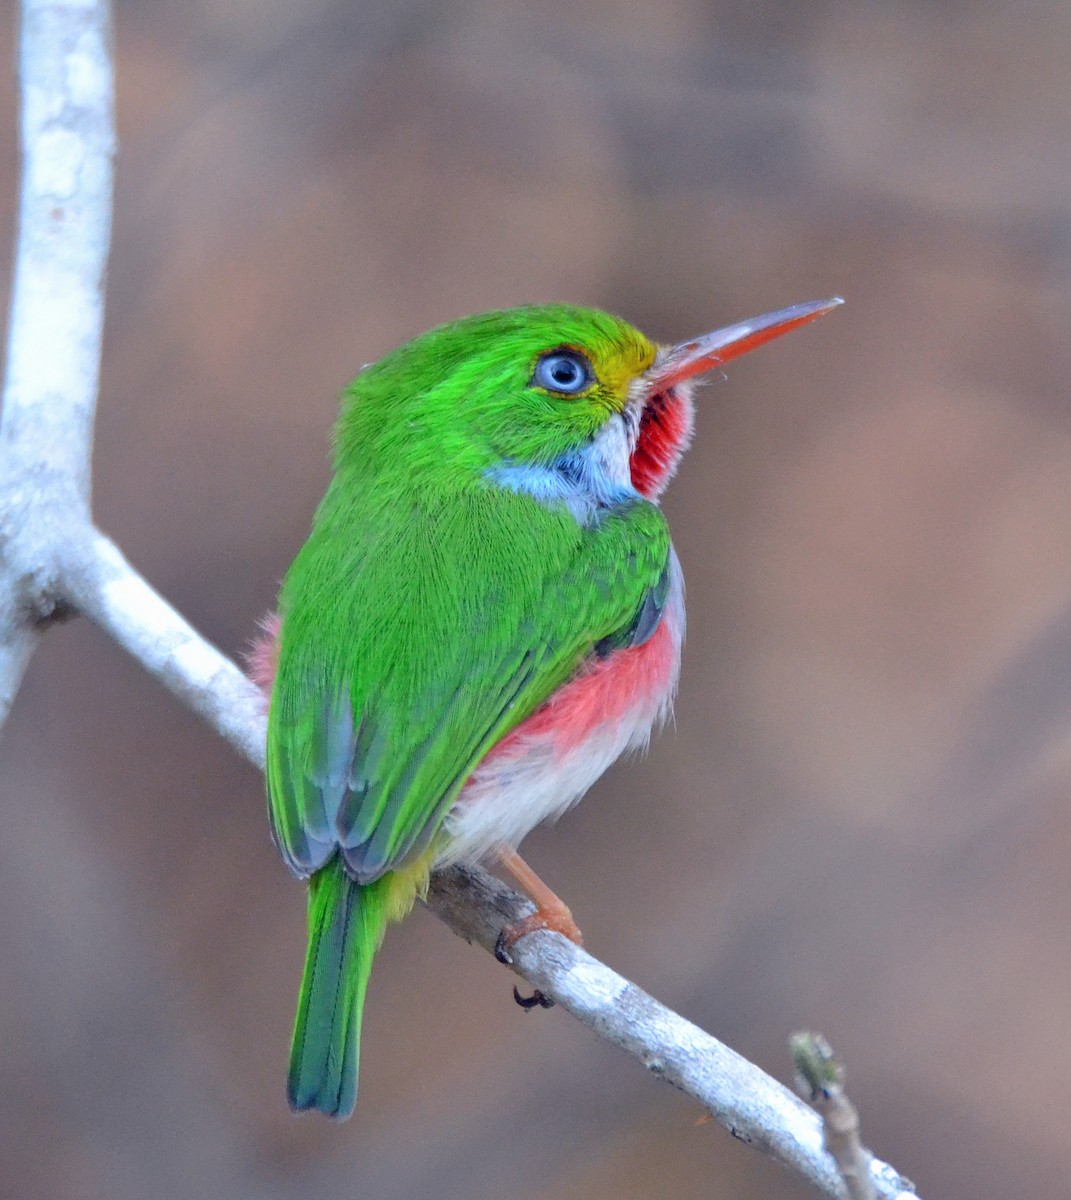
346, 924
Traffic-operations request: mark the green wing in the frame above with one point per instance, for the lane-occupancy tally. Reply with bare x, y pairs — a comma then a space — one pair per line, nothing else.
414, 638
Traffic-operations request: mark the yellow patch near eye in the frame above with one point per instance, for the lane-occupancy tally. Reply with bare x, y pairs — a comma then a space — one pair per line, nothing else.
618, 364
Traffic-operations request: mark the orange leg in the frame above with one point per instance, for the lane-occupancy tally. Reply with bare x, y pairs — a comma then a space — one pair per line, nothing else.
551, 913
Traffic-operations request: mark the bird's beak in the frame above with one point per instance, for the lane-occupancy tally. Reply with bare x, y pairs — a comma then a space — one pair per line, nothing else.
688, 359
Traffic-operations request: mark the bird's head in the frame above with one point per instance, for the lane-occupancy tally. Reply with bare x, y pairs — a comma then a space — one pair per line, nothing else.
533, 387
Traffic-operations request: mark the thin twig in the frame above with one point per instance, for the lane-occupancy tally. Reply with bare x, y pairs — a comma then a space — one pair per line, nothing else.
100, 583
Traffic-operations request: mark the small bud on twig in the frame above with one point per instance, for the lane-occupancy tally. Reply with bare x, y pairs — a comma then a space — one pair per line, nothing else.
820, 1080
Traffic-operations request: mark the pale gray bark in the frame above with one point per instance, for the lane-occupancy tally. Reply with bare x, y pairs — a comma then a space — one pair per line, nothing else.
57, 311
61, 947
54, 562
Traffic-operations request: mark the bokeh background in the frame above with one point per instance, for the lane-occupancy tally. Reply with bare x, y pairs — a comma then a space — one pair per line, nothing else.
862, 819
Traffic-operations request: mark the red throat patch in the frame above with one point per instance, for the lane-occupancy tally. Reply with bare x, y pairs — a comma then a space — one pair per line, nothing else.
665, 431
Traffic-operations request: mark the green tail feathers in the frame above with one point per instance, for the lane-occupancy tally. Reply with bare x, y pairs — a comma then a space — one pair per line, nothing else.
346, 922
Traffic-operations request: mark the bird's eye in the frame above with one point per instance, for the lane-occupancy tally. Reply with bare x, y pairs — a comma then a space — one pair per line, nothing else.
566, 371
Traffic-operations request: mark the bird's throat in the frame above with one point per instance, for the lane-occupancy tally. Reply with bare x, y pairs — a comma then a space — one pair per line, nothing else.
664, 432
587, 480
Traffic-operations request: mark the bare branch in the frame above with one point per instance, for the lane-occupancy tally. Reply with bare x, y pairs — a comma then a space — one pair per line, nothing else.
100, 583
751, 1105
57, 307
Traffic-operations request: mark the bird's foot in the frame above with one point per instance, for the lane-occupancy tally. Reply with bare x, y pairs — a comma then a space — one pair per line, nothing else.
551, 913
557, 919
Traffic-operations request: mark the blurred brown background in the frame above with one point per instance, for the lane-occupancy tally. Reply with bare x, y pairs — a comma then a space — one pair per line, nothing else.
862, 819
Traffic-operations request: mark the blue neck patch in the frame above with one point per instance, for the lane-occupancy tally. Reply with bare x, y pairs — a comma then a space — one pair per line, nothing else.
577, 481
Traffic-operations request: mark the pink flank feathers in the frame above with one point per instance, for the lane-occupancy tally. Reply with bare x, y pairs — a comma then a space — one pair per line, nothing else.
541, 768
605, 692
263, 657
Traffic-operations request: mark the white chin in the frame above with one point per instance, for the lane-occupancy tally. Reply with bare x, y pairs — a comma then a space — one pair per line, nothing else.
610, 451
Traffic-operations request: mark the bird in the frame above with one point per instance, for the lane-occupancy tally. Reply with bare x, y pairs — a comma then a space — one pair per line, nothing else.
487, 613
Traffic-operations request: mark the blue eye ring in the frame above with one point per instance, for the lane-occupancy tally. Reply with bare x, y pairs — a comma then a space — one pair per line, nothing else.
563, 370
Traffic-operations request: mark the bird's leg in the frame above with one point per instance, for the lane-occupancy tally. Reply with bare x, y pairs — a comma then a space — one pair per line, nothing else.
551, 913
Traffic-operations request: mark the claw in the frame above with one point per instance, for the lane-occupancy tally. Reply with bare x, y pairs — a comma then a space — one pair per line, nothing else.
535, 1000
502, 947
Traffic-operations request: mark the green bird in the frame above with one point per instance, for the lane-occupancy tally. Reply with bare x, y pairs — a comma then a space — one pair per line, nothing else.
487, 613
